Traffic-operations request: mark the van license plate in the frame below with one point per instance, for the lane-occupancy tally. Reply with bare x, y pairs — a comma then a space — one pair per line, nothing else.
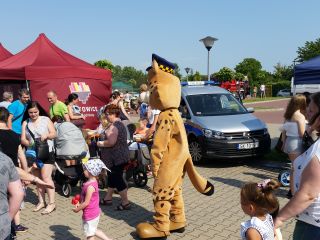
248, 145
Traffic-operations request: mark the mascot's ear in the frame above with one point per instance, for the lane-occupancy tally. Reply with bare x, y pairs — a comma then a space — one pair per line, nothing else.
155, 66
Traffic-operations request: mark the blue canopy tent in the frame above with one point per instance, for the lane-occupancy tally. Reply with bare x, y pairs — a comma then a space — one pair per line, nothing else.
308, 72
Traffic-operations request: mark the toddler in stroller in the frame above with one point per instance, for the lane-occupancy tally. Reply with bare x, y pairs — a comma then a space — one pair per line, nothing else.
139, 159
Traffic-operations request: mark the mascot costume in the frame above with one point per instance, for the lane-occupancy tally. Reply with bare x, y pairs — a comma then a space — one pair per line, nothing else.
170, 155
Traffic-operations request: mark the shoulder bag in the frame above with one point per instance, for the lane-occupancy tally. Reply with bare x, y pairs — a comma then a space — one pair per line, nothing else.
41, 147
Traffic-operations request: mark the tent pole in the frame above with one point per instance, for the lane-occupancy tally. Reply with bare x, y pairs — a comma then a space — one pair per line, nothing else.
27, 85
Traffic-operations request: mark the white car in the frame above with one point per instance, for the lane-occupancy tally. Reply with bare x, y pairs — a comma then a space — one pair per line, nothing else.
284, 92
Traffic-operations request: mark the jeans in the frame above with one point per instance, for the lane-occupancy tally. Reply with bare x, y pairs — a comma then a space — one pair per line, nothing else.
306, 231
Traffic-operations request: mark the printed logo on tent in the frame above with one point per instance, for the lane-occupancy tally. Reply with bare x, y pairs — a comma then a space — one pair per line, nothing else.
81, 89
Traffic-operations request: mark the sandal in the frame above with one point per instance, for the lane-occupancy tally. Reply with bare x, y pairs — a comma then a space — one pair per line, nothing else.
39, 206
50, 210
124, 207
106, 202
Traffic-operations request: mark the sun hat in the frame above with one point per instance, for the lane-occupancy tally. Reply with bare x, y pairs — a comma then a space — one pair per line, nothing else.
95, 166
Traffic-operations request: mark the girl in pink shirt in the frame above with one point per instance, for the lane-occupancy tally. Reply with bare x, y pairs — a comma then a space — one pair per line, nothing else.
89, 201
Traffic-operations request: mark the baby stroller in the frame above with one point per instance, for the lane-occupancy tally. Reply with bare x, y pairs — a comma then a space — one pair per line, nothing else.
69, 144
139, 159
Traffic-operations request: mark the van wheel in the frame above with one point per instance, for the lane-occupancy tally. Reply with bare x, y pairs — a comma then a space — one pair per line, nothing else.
195, 151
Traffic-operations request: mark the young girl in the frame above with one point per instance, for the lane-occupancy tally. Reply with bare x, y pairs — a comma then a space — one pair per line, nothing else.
90, 200
258, 201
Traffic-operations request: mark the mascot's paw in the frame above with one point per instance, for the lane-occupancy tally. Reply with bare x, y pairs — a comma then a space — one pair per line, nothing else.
209, 190
148, 231
177, 227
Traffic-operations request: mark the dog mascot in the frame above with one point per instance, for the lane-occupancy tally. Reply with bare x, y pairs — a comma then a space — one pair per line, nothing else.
170, 155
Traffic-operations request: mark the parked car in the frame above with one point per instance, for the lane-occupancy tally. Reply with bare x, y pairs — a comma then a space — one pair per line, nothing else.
284, 92
219, 126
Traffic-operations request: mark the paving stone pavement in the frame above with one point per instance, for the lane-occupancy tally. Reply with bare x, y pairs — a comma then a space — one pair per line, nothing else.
217, 217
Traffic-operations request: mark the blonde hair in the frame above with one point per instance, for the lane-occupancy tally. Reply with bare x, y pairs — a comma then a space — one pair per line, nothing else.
143, 87
261, 195
297, 102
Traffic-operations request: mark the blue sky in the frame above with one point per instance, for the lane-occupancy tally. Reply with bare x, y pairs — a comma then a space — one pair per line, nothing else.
128, 32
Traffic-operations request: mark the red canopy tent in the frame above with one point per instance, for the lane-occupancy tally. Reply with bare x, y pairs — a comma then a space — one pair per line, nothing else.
4, 53
46, 67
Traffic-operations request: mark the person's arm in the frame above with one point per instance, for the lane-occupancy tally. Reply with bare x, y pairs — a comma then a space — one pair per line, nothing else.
25, 176
301, 121
9, 122
253, 234
22, 158
308, 191
152, 129
24, 139
120, 103
111, 138
16, 196
86, 201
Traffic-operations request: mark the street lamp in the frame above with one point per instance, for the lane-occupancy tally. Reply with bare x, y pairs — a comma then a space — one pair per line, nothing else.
208, 43
187, 70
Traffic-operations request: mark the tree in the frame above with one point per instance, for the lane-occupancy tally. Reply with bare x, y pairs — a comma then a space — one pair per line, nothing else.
105, 64
239, 76
177, 71
197, 76
309, 50
249, 67
283, 72
224, 74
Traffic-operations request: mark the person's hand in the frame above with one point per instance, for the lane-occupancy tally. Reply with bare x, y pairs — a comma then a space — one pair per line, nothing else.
44, 137
76, 209
277, 223
26, 183
100, 144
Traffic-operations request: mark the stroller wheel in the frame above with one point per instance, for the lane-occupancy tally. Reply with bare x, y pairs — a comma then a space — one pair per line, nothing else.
284, 178
66, 189
140, 178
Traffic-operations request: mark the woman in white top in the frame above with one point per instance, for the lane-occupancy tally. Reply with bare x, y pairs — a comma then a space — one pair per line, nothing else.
37, 126
293, 128
305, 204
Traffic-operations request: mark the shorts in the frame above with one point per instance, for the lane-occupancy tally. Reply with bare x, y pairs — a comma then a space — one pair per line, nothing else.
90, 227
293, 145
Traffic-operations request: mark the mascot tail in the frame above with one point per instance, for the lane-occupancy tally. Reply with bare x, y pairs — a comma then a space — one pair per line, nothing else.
201, 184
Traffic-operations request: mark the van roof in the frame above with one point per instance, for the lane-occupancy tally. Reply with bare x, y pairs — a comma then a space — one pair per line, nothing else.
204, 89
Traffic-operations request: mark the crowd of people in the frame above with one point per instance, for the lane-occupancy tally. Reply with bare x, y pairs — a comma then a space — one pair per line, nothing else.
25, 125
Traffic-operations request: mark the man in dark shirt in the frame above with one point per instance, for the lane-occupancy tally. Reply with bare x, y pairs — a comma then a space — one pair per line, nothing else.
12, 192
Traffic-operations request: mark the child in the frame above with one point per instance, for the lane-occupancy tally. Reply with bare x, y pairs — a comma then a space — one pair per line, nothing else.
258, 201
142, 129
90, 200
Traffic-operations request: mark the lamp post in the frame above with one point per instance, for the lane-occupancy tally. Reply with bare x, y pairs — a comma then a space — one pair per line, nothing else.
208, 43
187, 70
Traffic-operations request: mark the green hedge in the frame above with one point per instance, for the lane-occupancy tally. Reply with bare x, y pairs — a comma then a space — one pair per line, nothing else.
276, 86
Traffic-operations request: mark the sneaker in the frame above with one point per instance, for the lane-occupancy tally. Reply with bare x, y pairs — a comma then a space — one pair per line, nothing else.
20, 228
